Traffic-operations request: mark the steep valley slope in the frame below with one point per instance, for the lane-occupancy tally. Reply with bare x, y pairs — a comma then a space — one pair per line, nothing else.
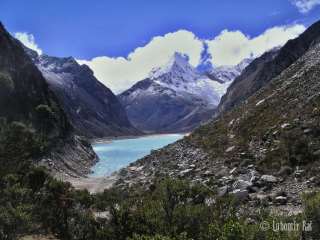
26, 98
94, 111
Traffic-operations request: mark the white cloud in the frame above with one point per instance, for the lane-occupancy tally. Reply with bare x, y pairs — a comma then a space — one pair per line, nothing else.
228, 48
28, 40
304, 6
120, 73
231, 47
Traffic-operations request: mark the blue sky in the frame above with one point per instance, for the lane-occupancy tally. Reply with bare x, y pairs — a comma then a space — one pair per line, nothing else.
86, 29
89, 29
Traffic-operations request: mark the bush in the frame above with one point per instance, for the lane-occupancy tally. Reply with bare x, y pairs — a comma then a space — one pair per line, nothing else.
312, 213
18, 144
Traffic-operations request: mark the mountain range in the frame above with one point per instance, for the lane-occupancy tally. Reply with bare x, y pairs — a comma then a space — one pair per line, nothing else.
185, 98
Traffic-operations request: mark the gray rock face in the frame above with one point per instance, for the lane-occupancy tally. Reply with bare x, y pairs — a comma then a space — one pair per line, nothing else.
93, 109
163, 110
72, 157
247, 83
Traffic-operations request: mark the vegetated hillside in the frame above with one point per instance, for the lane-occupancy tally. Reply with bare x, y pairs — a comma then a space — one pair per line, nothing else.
94, 111
265, 68
265, 150
27, 104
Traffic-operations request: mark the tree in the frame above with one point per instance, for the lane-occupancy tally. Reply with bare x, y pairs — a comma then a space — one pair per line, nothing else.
18, 144
45, 118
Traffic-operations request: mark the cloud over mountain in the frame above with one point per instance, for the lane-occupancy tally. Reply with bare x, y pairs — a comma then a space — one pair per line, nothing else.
28, 40
228, 48
120, 73
231, 47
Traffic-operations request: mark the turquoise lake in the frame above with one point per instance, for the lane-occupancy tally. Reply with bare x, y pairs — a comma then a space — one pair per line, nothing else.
117, 154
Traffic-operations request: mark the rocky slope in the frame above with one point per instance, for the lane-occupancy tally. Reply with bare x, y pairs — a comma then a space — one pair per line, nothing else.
175, 98
92, 108
265, 68
264, 152
24, 95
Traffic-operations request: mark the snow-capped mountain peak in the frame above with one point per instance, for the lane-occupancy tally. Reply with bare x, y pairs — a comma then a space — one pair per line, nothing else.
178, 67
183, 79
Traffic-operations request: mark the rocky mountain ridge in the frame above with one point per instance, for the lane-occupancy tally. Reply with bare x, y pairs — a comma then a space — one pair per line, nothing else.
92, 108
26, 98
261, 71
229, 73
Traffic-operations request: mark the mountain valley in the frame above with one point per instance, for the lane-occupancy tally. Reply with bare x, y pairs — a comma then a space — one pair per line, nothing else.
265, 150
81, 163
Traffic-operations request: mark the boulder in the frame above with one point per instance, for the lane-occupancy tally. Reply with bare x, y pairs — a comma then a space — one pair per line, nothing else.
230, 149
240, 195
262, 197
286, 126
223, 172
241, 184
285, 171
317, 153
253, 189
268, 179
307, 131
282, 200
223, 191
185, 172
207, 173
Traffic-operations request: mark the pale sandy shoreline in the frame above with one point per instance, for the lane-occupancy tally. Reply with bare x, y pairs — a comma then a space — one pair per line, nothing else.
93, 184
